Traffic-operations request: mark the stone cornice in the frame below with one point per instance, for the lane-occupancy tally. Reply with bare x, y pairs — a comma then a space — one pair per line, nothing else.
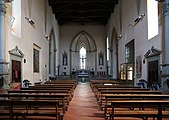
16, 52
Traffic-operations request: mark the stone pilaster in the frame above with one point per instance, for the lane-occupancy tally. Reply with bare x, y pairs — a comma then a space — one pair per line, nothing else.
165, 65
3, 63
166, 16
2, 31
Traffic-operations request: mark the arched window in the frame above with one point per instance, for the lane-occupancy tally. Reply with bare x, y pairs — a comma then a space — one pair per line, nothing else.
82, 57
107, 45
152, 12
16, 18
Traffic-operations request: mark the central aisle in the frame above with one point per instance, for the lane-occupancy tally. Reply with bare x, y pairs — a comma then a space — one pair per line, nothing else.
83, 105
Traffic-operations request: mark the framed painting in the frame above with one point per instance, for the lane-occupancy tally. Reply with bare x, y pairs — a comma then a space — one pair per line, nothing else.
101, 59
35, 60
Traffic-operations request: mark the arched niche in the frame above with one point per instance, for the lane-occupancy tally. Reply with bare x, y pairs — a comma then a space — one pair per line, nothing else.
52, 54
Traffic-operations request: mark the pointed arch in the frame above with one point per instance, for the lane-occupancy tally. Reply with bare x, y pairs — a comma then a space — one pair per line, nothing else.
114, 67
52, 54
78, 42
83, 39
89, 39
130, 33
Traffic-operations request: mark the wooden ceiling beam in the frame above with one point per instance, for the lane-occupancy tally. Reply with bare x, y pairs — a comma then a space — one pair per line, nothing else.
81, 11
82, 2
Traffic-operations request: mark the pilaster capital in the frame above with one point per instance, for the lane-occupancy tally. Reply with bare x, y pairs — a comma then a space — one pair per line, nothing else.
166, 9
2, 7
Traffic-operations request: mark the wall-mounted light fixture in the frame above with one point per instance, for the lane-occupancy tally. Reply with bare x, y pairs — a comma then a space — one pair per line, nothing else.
30, 20
12, 20
139, 18
120, 36
110, 49
47, 37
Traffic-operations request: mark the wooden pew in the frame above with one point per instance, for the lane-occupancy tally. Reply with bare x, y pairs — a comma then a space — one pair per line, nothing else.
30, 108
104, 81
58, 97
5, 110
101, 86
101, 98
99, 90
57, 85
61, 82
70, 95
94, 83
67, 98
112, 97
39, 91
156, 106
49, 88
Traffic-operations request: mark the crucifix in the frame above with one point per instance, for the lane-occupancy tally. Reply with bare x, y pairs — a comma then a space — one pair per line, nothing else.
83, 62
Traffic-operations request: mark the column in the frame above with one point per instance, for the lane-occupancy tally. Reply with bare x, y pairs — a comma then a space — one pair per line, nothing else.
110, 63
165, 66
3, 63
2, 30
166, 16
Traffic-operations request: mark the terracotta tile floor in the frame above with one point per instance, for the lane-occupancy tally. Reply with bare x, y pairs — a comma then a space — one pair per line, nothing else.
83, 105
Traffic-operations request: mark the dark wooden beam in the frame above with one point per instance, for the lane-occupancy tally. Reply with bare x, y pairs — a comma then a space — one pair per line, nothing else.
82, 11
82, 2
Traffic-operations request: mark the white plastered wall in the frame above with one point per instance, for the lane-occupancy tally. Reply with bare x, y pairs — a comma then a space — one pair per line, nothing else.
40, 12
69, 31
130, 10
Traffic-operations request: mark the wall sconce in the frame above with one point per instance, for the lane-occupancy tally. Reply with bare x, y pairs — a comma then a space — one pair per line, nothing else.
120, 36
47, 37
12, 20
110, 49
30, 20
139, 18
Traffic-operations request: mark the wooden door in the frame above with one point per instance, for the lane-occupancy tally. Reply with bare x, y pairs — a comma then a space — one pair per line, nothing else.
16, 71
153, 75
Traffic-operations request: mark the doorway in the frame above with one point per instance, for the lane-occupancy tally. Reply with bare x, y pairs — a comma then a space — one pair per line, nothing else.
16, 71
153, 75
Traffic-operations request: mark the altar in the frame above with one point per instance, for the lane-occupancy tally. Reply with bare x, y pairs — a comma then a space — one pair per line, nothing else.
83, 75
